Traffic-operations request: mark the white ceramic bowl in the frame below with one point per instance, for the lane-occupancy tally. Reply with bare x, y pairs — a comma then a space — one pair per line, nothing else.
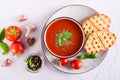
81, 32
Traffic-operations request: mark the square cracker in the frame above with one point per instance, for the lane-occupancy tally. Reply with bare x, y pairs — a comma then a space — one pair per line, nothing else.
107, 38
88, 27
100, 21
93, 44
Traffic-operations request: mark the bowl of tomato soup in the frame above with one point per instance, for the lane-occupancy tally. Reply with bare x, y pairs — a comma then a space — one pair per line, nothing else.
64, 37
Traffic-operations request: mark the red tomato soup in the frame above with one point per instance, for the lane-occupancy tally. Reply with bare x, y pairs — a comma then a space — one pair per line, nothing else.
59, 26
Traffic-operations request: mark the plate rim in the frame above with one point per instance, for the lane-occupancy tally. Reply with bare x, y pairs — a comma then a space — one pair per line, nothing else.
43, 44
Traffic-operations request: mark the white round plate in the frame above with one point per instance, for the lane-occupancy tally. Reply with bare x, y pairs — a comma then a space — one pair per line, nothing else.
79, 13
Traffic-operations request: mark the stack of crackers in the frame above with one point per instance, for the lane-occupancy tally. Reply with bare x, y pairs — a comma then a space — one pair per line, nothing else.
98, 37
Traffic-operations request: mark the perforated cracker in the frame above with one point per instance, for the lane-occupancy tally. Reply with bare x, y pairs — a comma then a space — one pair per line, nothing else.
107, 38
93, 44
100, 21
88, 27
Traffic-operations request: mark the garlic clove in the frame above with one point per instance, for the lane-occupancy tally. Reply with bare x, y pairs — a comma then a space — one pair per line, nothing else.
7, 63
22, 18
30, 28
28, 32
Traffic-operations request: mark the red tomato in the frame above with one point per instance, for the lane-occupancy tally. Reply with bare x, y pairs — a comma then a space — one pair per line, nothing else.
63, 61
13, 33
76, 64
17, 48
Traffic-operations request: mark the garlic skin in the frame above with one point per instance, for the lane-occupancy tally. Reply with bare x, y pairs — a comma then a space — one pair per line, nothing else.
30, 28
22, 18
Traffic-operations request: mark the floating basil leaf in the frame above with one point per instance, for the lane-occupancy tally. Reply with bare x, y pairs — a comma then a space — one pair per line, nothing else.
59, 35
61, 42
67, 35
62, 37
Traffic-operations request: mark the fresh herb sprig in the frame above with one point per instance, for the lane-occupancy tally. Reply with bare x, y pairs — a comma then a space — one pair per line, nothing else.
2, 34
62, 37
3, 45
85, 56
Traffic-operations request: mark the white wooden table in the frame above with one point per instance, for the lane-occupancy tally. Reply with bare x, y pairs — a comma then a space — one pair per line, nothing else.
38, 12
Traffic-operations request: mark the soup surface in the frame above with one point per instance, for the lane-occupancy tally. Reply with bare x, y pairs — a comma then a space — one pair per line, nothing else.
71, 45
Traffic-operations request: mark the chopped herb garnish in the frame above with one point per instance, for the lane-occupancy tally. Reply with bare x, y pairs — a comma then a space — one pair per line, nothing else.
63, 37
29, 61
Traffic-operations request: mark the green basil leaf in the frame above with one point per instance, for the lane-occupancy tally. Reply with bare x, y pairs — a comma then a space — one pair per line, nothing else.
61, 42
59, 35
82, 57
2, 34
93, 56
62, 37
4, 47
67, 35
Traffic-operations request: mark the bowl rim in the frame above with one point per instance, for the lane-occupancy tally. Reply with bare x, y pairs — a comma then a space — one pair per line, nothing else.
79, 25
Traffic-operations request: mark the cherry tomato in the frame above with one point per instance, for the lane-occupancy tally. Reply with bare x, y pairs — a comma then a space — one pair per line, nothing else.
17, 48
13, 33
63, 61
76, 64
